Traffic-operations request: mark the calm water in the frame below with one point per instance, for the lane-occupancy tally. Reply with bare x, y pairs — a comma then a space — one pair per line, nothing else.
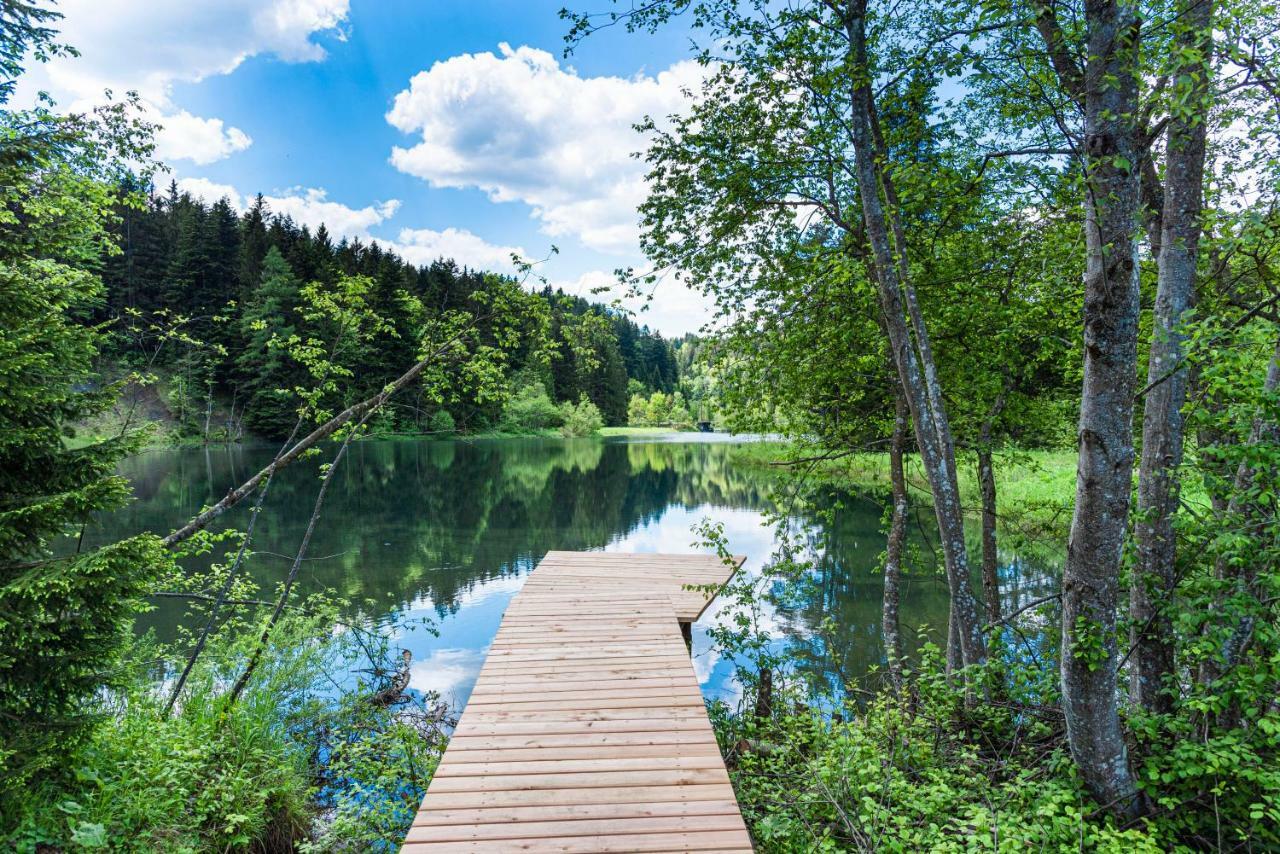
450, 530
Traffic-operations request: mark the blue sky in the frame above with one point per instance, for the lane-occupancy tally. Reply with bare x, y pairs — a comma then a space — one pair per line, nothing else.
453, 128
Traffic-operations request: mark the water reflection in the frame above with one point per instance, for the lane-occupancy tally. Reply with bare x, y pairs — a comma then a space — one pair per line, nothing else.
450, 529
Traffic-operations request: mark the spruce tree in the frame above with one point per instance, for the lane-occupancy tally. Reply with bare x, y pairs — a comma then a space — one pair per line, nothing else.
263, 368
64, 610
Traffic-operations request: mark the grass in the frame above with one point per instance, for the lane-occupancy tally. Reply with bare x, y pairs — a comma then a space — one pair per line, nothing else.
1035, 489
639, 431
1022, 476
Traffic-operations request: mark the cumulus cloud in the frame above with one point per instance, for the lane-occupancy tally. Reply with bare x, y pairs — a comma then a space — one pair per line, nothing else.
202, 141
521, 127
148, 47
211, 191
310, 206
667, 305
424, 245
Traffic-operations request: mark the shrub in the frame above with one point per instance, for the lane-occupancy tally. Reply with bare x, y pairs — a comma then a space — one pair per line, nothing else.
441, 423
637, 410
530, 408
581, 420
916, 772
255, 775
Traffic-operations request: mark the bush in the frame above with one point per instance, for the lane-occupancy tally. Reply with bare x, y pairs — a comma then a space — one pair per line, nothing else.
441, 423
530, 409
637, 410
917, 772
255, 775
581, 420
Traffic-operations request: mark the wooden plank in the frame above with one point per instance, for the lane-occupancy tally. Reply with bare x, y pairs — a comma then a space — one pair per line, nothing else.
712, 840
569, 812
574, 682
612, 826
667, 699
585, 715
563, 765
586, 729
620, 752
585, 740
580, 780
521, 693
544, 797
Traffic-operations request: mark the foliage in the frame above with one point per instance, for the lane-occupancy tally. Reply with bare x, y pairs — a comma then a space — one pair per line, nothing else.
441, 423
659, 410
238, 281
581, 420
918, 772
253, 775
859, 766
62, 610
530, 408
271, 315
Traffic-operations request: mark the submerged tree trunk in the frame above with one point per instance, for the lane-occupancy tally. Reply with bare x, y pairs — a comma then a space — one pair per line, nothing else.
1162, 423
910, 347
1091, 572
896, 544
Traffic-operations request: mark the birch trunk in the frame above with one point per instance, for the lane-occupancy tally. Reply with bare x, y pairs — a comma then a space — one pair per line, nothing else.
1090, 577
1162, 423
909, 346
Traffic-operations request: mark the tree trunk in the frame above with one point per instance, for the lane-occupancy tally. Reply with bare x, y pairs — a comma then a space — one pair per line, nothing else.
1248, 510
764, 695
1151, 633
990, 564
987, 487
1090, 576
208, 411
912, 356
954, 655
896, 544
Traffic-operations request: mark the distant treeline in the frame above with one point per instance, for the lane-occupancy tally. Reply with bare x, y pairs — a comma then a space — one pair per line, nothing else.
236, 278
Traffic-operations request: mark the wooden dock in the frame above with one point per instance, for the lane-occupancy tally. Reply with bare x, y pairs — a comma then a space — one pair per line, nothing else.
586, 730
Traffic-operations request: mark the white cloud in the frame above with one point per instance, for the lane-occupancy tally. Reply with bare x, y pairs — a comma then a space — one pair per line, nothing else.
423, 245
308, 206
521, 127
311, 206
668, 305
451, 673
147, 46
202, 141
210, 191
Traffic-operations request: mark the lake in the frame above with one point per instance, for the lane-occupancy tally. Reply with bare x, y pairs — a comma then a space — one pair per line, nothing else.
451, 529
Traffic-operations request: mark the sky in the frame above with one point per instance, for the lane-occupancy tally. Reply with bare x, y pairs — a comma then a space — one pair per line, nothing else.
451, 128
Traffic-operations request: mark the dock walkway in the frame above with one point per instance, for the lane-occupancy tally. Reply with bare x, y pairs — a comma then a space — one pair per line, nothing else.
586, 729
